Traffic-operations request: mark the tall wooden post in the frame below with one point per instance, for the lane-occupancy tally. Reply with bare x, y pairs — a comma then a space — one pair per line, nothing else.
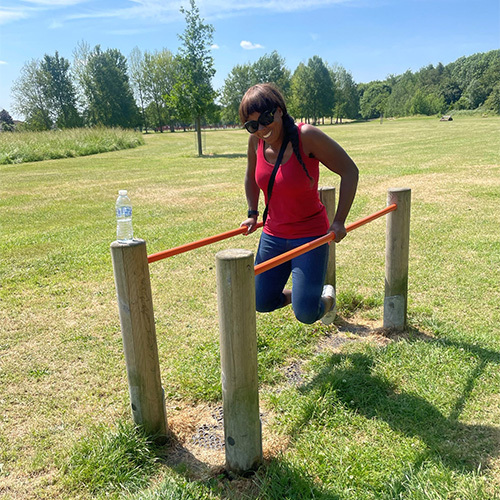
327, 197
135, 304
396, 258
238, 347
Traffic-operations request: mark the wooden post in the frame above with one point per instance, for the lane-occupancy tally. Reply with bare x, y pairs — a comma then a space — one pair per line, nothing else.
327, 197
135, 304
238, 348
396, 258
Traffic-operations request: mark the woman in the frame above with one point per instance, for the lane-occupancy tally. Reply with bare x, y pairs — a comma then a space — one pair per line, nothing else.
295, 214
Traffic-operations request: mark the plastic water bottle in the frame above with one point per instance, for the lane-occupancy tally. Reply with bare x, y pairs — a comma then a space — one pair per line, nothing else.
124, 231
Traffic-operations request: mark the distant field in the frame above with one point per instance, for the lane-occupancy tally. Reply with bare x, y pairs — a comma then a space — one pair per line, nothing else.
349, 411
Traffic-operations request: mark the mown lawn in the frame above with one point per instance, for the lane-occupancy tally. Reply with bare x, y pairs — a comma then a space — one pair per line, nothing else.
349, 411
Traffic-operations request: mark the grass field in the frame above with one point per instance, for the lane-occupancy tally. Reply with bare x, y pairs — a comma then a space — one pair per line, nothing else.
21, 147
349, 411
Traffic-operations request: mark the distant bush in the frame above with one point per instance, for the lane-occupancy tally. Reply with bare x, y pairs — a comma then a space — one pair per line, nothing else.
24, 147
482, 111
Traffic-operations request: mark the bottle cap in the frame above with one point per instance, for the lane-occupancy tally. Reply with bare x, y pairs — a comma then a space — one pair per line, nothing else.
122, 192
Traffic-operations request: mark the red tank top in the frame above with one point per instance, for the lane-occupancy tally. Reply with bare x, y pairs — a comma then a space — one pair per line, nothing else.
295, 210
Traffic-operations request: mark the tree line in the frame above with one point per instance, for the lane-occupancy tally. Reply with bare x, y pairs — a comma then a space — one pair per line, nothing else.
103, 87
163, 91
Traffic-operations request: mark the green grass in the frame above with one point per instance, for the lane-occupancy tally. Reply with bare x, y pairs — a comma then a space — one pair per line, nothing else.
411, 416
109, 463
21, 147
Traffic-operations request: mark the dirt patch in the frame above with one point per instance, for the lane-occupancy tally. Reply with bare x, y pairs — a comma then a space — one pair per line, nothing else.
198, 438
357, 328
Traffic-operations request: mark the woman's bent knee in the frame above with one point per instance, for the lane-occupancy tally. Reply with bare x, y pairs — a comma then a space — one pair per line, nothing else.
307, 317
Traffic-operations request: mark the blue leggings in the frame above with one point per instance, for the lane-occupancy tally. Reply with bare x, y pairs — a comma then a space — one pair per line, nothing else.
308, 276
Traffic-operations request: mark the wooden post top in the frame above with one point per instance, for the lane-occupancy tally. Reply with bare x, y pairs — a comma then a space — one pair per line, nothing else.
234, 254
132, 243
399, 190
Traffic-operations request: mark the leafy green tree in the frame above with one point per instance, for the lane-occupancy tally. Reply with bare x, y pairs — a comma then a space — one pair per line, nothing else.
476, 93
374, 100
106, 86
321, 94
402, 90
31, 98
312, 90
45, 94
301, 80
160, 69
239, 80
450, 89
493, 101
430, 76
193, 94
267, 69
6, 121
137, 83
423, 103
60, 91
214, 115
491, 74
346, 103
81, 54
272, 69
476, 76
467, 83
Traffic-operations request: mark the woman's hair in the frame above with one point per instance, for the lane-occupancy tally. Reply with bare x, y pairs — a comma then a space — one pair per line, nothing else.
263, 97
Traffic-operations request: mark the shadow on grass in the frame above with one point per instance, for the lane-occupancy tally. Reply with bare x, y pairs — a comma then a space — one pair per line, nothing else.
274, 480
278, 480
457, 445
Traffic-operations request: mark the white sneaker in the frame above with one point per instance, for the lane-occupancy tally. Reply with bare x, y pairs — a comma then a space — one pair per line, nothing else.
329, 293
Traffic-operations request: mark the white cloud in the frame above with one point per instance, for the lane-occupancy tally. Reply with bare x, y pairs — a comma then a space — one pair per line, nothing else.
54, 25
167, 12
250, 46
17, 13
7, 16
160, 11
214, 46
157, 10
127, 32
3, 62
223, 8
55, 3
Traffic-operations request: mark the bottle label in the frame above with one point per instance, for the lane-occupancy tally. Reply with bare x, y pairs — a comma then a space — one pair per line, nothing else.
124, 211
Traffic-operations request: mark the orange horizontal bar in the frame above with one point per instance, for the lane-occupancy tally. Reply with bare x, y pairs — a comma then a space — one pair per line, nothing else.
285, 257
197, 244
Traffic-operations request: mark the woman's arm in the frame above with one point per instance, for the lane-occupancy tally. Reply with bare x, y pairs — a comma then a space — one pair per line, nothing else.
317, 144
252, 190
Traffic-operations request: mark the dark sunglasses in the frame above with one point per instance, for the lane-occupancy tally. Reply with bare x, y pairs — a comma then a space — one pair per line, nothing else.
265, 119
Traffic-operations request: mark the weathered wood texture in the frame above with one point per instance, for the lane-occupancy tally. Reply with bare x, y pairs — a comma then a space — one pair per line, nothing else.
238, 347
396, 259
135, 307
327, 197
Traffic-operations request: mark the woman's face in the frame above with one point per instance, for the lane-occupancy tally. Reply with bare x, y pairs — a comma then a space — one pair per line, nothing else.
271, 133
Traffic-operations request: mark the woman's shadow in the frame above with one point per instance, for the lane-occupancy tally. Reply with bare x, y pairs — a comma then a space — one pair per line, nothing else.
456, 444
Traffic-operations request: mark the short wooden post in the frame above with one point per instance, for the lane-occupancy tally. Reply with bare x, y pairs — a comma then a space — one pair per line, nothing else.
238, 348
135, 304
396, 258
327, 197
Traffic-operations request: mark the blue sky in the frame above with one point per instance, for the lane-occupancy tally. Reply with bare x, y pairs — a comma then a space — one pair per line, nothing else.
370, 38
